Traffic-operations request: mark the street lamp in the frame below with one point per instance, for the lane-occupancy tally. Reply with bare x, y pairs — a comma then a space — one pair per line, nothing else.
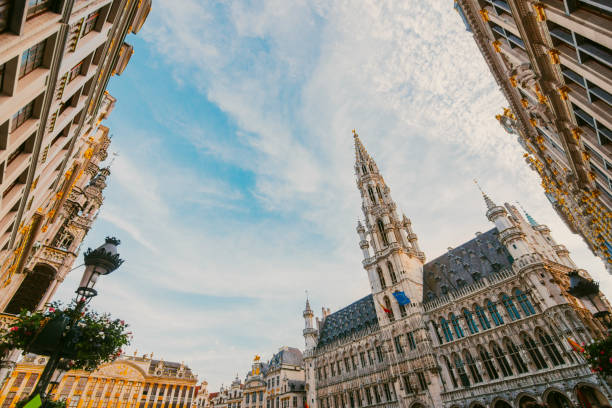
100, 261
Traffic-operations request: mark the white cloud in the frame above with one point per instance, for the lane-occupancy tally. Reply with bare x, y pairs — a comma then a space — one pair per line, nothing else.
295, 78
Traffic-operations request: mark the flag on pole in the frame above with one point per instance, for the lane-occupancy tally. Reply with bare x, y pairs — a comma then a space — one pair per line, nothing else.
401, 297
577, 347
34, 402
387, 311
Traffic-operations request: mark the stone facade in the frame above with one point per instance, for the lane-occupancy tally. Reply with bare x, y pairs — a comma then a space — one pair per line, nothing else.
278, 383
484, 325
128, 382
552, 61
56, 58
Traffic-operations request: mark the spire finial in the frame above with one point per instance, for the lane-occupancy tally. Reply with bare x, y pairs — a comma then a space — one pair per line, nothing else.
490, 204
529, 217
307, 301
361, 155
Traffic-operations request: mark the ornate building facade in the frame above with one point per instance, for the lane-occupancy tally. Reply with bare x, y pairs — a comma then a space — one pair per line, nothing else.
128, 382
278, 383
553, 63
56, 60
484, 325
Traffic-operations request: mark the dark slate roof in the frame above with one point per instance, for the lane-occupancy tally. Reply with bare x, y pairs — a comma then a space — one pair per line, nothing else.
288, 355
354, 318
464, 265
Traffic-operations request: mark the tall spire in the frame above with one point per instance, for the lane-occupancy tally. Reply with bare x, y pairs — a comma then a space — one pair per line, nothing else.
490, 204
361, 154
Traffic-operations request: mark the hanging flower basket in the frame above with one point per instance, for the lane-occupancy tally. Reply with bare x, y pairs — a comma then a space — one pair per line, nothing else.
94, 338
599, 356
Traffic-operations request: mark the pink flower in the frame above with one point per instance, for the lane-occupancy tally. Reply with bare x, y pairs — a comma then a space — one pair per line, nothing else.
610, 360
601, 352
14, 328
51, 309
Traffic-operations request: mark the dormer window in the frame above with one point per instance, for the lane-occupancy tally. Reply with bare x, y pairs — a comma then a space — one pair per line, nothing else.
444, 289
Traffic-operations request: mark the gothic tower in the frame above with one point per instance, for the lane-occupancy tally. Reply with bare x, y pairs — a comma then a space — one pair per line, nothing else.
390, 248
394, 264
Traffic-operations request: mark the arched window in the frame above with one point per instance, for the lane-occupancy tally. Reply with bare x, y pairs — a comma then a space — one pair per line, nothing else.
435, 328
378, 192
371, 168
363, 168
392, 273
451, 374
381, 278
469, 319
510, 308
371, 194
381, 229
524, 302
446, 330
500, 357
465, 381
516, 358
488, 363
497, 319
388, 306
551, 349
482, 318
534, 352
469, 360
457, 326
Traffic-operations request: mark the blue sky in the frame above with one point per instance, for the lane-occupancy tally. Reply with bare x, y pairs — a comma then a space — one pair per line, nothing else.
233, 191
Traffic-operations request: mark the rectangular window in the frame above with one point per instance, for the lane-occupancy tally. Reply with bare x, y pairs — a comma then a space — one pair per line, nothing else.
387, 391
5, 13
347, 365
376, 394
398, 345
379, 354
90, 23
36, 7
407, 385
9, 399
75, 71
411, 342
362, 358
18, 380
422, 381
2, 71
339, 367
333, 371
368, 396
21, 116
32, 58
353, 362
295, 401
370, 357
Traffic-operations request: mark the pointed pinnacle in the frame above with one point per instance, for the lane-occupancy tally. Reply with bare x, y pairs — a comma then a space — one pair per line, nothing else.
361, 155
490, 204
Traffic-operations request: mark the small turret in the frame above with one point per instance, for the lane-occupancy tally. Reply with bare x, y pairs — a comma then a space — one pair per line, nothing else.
310, 333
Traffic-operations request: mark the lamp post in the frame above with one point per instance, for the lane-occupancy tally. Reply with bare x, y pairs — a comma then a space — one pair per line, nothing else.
100, 261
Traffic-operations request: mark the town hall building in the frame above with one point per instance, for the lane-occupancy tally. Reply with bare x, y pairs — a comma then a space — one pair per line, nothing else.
486, 325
